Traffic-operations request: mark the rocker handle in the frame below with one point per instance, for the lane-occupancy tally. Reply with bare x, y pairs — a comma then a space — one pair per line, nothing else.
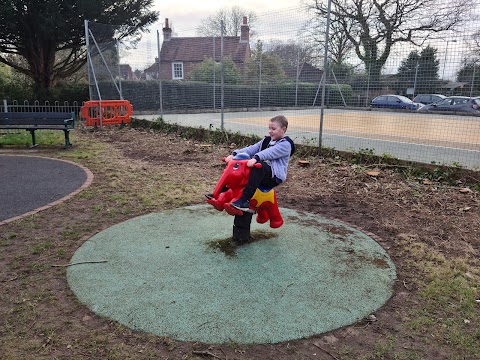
257, 165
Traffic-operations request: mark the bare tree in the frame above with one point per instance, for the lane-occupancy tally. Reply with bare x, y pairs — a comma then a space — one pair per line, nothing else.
291, 52
473, 43
373, 27
232, 21
339, 46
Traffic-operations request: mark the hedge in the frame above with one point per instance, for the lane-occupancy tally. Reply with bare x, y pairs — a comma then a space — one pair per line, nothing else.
188, 95
63, 91
144, 95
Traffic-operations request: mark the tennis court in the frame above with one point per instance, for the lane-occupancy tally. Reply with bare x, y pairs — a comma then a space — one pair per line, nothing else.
443, 139
456, 131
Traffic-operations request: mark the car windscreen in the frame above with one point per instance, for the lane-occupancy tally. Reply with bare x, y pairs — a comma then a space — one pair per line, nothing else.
404, 99
443, 102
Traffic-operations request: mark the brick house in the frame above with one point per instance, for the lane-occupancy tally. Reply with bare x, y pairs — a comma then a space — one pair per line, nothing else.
126, 72
179, 55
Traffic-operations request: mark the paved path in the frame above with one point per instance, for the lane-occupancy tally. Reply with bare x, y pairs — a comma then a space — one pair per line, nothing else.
29, 184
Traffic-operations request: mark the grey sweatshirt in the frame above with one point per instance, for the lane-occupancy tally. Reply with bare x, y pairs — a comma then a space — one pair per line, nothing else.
277, 155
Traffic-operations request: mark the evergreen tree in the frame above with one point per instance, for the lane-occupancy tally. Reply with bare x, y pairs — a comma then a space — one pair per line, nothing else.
266, 66
419, 70
204, 71
45, 39
470, 74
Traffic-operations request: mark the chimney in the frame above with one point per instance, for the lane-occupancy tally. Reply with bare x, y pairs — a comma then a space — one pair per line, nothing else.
244, 31
167, 32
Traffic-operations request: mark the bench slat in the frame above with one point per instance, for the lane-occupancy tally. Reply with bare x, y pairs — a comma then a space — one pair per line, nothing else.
41, 118
32, 121
42, 127
36, 115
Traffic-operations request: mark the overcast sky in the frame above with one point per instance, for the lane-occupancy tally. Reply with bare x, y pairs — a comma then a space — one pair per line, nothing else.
276, 18
186, 15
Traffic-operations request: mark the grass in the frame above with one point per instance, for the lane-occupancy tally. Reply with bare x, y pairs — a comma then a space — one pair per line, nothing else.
40, 248
444, 288
448, 288
23, 138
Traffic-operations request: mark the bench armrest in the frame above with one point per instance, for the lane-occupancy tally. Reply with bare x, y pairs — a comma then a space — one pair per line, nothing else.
70, 122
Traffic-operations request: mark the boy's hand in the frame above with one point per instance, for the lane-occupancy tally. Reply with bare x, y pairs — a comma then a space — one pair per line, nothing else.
228, 158
251, 162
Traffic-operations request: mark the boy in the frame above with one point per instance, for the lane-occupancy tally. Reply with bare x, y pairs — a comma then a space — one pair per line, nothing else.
273, 152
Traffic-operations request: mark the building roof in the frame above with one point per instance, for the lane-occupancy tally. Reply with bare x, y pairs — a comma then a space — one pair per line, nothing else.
195, 49
307, 73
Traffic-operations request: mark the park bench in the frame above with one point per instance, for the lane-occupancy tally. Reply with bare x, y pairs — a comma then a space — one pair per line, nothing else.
33, 121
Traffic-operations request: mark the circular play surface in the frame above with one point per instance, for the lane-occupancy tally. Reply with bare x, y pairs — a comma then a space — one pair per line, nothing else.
177, 274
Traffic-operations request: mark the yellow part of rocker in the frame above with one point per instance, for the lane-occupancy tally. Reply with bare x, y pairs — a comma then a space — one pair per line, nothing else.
262, 196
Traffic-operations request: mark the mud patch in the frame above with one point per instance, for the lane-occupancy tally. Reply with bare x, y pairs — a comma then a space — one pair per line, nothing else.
340, 231
229, 247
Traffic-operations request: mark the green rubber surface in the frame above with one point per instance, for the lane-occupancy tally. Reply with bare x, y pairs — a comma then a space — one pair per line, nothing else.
163, 276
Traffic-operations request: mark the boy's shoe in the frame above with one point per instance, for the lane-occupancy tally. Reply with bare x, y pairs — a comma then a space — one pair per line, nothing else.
209, 196
242, 204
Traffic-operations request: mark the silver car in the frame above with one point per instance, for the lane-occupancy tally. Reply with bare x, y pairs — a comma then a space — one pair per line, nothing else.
454, 104
426, 99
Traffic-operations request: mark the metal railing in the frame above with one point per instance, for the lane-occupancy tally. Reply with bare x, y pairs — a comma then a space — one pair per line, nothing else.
37, 106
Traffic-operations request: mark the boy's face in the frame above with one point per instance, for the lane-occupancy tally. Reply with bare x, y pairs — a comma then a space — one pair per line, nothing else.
275, 130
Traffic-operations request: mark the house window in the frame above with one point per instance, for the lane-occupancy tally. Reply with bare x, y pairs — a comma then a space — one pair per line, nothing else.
177, 71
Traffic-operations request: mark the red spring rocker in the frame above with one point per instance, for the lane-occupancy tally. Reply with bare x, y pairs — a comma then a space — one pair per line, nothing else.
229, 188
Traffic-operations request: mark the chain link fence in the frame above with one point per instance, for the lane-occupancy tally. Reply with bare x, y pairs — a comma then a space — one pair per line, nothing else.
364, 99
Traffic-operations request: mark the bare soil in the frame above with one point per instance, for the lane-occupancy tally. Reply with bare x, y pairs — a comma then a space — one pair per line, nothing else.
429, 226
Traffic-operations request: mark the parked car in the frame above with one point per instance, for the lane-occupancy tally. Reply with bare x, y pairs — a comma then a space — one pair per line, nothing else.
455, 104
394, 102
426, 99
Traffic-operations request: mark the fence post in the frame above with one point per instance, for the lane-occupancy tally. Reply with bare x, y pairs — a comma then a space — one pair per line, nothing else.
214, 67
87, 45
260, 74
119, 70
325, 73
296, 78
222, 97
159, 75
368, 84
473, 79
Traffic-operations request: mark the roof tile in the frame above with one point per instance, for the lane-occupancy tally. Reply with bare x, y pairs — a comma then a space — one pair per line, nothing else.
193, 49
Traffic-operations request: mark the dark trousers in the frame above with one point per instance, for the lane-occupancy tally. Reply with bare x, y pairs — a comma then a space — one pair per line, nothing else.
259, 177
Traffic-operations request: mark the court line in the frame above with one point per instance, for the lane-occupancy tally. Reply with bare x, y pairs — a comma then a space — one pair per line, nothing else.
413, 142
400, 142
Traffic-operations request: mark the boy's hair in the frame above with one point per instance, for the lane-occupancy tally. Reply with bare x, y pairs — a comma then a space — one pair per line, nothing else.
281, 120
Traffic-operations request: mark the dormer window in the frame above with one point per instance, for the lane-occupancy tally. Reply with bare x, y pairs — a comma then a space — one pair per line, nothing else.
177, 71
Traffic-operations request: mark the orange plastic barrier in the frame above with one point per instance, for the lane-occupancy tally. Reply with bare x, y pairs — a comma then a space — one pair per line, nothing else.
113, 112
